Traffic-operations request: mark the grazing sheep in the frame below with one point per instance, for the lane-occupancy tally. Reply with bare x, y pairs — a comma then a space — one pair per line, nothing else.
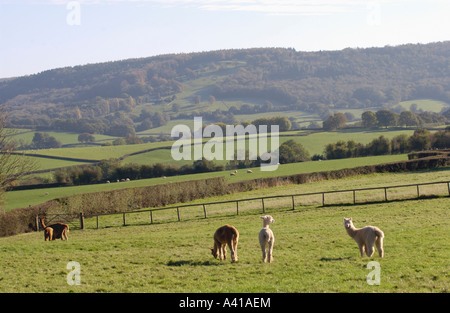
59, 230
266, 239
365, 237
249, 171
224, 235
232, 174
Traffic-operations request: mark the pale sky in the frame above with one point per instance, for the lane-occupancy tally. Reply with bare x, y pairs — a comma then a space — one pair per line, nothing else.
37, 35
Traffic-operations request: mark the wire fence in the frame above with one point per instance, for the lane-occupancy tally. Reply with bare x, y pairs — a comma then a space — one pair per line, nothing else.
257, 205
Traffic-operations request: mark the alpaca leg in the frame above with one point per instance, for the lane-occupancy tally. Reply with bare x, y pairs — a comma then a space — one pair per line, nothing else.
224, 251
369, 250
235, 244
361, 249
263, 249
270, 256
232, 246
379, 243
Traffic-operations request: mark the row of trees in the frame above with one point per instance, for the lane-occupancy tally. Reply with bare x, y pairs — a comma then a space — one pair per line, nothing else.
387, 118
422, 139
112, 170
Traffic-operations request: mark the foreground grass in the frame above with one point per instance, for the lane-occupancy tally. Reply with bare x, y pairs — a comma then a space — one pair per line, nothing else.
312, 252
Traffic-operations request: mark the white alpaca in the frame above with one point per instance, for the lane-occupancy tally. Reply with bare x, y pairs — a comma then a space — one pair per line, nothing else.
266, 239
365, 237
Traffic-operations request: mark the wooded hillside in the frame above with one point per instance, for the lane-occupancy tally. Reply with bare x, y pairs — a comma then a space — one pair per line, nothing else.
116, 97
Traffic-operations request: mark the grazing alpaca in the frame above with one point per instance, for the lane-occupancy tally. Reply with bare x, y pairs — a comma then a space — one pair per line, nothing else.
224, 235
57, 230
266, 239
365, 237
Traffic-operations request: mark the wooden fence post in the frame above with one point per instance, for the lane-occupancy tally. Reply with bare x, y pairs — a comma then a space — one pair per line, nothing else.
178, 214
418, 194
82, 221
204, 210
385, 194
293, 203
37, 222
124, 222
264, 210
237, 207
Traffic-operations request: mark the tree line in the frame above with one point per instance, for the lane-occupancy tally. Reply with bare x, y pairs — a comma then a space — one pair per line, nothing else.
422, 139
387, 118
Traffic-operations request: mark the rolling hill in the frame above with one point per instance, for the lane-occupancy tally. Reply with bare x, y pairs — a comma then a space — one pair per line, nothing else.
137, 95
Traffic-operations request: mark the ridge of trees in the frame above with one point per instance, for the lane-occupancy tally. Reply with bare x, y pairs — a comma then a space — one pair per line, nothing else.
100, 98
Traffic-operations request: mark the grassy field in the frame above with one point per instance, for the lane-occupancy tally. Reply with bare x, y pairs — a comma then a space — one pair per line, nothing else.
25, 198
314, 143
312, 251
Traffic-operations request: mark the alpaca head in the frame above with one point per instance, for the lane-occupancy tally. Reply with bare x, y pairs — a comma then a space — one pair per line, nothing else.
348, 223
214, 253
267, 219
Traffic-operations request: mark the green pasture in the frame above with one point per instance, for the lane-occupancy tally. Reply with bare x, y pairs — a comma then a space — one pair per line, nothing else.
312, 251
65, 138
425, 105
25, 198
314, 143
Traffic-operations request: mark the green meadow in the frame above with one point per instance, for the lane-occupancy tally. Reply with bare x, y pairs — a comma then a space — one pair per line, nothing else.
25, 198
312, 251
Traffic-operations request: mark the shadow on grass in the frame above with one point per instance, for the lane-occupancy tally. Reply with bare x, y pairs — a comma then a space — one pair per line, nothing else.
192, 263
333, 259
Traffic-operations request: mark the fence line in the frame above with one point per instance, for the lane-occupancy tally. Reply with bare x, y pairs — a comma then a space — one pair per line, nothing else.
264, 206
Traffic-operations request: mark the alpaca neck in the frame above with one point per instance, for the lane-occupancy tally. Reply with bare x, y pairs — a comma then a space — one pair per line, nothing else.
42, 224
351, 231
266, 225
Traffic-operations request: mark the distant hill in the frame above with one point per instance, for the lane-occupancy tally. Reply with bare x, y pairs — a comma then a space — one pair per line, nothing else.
122, 97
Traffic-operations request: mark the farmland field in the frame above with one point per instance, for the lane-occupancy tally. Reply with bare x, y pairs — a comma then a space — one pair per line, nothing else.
312, 251
24, 198
314, 143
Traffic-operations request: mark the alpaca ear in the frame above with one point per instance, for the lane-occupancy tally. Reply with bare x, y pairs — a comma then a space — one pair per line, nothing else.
262, 217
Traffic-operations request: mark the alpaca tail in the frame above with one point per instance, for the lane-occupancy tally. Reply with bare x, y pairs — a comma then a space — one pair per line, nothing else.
379, 242
379, 233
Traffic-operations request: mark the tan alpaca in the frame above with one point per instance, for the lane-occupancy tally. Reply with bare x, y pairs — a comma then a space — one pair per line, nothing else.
224, 235
58, 230
48, 234
365, 237
267, 239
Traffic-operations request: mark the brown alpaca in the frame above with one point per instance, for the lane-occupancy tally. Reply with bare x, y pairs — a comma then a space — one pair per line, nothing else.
365, 237
55, 231
224, 235
48, 234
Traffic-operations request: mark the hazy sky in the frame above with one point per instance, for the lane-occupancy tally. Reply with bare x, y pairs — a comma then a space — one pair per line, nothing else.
36, 35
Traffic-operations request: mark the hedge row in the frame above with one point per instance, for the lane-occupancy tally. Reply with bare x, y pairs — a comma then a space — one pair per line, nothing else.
410, 165
23, 220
